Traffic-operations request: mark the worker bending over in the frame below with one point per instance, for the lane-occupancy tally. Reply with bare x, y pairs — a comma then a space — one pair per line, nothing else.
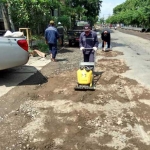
105, 36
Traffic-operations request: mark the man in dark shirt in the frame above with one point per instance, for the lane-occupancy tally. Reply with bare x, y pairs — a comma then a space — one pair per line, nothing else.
51, 37
105, 36
60, 30
88, 43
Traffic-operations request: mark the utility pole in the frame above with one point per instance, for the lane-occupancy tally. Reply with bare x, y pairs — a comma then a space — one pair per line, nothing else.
103, 20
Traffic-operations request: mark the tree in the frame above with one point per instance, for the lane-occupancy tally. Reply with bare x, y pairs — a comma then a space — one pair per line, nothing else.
5, 16
101, 20
36, 14
132, 12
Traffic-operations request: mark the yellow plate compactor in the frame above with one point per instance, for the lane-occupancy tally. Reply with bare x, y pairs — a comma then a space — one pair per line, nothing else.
85, 76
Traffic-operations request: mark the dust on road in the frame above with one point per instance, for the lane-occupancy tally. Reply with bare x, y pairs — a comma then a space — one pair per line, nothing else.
52, 116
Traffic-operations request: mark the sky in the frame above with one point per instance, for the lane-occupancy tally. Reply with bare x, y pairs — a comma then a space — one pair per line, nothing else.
107, 7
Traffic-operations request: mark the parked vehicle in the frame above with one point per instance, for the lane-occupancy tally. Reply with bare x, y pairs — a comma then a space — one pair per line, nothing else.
2, 32
13, 52
74, 33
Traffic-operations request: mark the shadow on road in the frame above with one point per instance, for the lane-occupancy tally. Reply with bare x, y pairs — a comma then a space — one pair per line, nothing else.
64, 51
25, 75
62, 59
114, 44
97, 76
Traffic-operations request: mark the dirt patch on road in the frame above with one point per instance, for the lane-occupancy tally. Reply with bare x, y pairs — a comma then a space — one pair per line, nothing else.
144, 35
109, 53
53, 116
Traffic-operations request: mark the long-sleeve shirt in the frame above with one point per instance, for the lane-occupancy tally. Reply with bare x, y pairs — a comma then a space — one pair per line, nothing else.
60, 30
105, 37
89, 41
51, 35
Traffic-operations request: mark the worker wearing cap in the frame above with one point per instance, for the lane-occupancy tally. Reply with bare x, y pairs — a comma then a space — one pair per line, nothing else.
60, 30
51, 37
105, 36
88, 43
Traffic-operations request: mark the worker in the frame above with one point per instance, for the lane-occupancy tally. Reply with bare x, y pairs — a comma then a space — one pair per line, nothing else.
105, 36
88, 43
51, 37
60, 30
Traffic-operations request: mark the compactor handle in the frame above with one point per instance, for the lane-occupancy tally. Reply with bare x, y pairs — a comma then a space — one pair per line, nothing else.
87, 48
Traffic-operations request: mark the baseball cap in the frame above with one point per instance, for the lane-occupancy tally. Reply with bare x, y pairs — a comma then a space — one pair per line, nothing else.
51, 22
87, 27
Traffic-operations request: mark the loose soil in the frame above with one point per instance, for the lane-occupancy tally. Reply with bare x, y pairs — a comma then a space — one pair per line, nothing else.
46, 113
144, 35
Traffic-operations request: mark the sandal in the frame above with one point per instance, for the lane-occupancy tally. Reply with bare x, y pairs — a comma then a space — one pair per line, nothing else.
52, 59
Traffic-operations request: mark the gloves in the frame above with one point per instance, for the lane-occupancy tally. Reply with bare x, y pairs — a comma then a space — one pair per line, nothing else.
95, 48
81, 48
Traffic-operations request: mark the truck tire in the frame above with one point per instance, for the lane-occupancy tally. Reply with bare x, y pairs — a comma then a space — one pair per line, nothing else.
70, 43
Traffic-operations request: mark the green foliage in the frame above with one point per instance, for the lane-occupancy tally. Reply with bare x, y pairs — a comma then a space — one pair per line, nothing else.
82, 9
65, 20
42, 46
101, 20
132, 12
36, 14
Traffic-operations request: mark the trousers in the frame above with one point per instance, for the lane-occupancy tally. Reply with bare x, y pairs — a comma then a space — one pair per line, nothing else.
88, 57
62, 40
53, 50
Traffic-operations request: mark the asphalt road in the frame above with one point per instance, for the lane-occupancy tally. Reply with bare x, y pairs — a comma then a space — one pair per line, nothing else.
12, 77
136, 55
49, 114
